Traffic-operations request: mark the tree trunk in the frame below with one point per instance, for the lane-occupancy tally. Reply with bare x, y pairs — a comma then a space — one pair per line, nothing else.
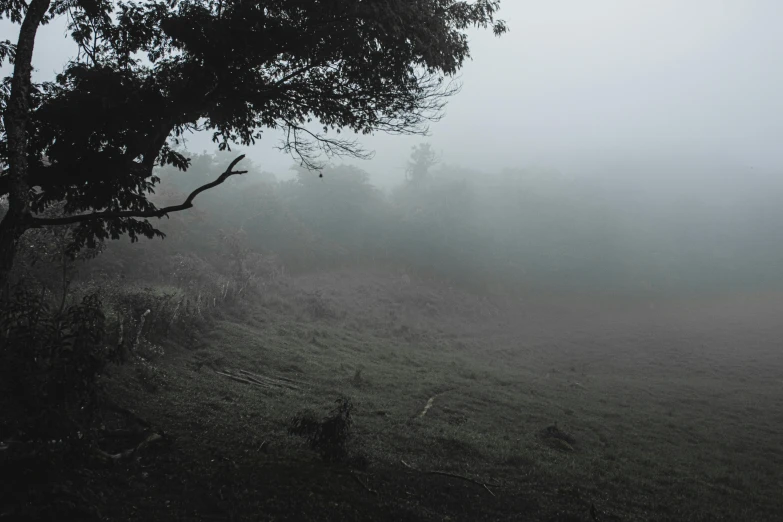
16, 119
9, 241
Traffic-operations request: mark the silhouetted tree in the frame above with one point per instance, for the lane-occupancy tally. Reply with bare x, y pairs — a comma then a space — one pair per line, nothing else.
421, 161
148, 72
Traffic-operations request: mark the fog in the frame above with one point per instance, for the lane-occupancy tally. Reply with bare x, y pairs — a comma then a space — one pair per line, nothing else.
661, 118
561, 304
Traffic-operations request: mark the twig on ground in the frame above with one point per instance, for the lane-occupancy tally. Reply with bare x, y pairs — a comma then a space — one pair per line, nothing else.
427, 406
155, 437
286, 379
244, 380
288, 383
362, 484
485, 485
430, 402
261, 381
243, 375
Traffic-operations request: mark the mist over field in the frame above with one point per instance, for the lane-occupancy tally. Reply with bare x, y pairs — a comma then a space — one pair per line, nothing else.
602, 146
563, 302
529, 229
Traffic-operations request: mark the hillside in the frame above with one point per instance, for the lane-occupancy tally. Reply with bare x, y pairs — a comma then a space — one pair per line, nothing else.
536, 409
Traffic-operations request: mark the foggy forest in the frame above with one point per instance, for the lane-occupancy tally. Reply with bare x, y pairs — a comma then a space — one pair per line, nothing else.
359, 260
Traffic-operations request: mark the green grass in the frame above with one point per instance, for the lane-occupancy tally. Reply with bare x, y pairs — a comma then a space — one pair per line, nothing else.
673, 416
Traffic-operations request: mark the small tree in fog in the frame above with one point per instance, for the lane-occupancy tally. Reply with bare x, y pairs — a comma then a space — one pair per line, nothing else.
421, 161
149, 72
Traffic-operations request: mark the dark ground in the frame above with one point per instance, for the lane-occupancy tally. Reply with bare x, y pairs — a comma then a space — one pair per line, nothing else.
645, 411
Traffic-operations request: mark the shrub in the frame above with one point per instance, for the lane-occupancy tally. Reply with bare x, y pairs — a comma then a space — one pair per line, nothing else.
50, 360
329, 436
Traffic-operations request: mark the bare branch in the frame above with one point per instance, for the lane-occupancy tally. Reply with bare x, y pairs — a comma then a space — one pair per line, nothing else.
36, 222
305, 149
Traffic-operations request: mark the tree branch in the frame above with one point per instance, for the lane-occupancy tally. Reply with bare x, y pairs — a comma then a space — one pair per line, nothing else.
306, 149
36, 222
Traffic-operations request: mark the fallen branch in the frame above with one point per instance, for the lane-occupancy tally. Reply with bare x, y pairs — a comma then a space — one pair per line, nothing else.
427, 406
243, 380
453, 475
287, 383
250, 378
292, 381
261, 381
429, 403
155, 437
362, 484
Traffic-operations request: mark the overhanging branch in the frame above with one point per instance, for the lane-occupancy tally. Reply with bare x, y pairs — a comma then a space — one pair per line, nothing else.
36, 222
306, 149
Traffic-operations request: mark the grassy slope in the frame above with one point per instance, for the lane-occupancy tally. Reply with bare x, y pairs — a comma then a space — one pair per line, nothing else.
676, 413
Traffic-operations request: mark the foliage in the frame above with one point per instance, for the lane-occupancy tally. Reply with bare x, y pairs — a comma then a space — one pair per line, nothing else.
50, 257
49, 363
149, 72
342, 208
329, 436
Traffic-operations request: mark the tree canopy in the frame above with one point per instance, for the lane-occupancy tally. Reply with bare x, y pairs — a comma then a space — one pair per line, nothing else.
149, 72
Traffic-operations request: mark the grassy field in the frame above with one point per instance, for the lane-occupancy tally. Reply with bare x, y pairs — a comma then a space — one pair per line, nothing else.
539, 409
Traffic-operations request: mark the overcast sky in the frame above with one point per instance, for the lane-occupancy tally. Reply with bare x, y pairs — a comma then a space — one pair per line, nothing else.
579, 82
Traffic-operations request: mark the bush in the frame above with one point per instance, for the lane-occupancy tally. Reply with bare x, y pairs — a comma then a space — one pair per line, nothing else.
50, 361
329, 436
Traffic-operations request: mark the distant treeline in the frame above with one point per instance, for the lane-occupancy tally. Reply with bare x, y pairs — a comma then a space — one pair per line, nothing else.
511, 232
